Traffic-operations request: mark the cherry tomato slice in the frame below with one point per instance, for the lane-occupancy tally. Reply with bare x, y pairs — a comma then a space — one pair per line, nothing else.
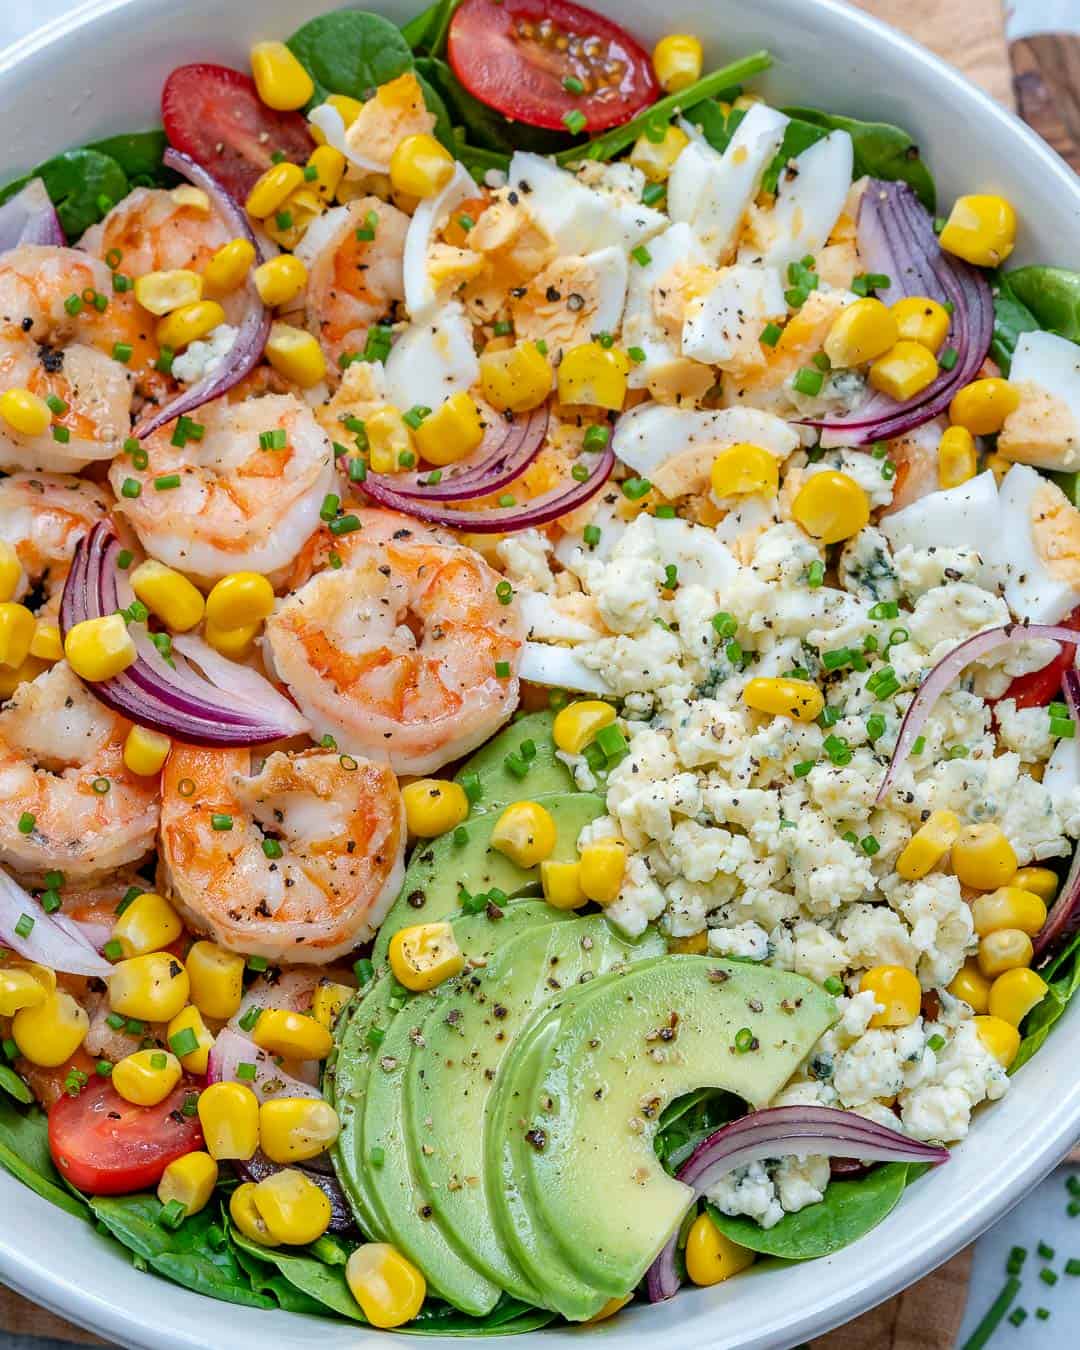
214, 115
518, 55
106, 1146
1038, 688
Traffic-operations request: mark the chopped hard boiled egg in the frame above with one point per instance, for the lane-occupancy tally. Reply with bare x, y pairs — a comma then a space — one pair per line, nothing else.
967, 516
577, 217
432, 359
724, 326
653, 317
572, 298
808, 203
1037, 547
1045, 429
559, 668
422, 289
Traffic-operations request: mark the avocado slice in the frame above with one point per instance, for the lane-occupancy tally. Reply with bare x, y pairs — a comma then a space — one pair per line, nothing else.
499, 784
620, 1053
441, 868
465, 1039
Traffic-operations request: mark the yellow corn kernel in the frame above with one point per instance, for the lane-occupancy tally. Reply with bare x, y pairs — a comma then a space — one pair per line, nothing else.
162, 292
920, 319
1008, 907
229, 1115
349, 108
150, 988
17, 626
189, 324
957, 459
145, 751
328, 1000
711, 1256
10, 571
1041, 881
46, 644
971, 985
983, 858
50, 1032
433, 806
420, 166
451, 432
656, 159
98, 649
610, 1308
24, 412
189, 1020
861, 332
677, 61
296, 355
1015, 993
273, 189
291, 1035
982, 406
525, 833
45, 975
289, 225
1000, 1038
19, 988
195, 199
190, 1181
696, 944
998, 465
228, 267
235, 643
217, 980
389, 1288
980, 229
928, 845
897, 990
516, 379
239, 599
247, 1218
293, 1129
798, 699
12, 677
1004, 949
168, 594
388, 439
281, 80
904, 370
594, 375
742, 469
424, 955
280, 279
293, 1208
146, 925
831, 506
602, 866
146, 1077
561, 882
576, 725
329, 166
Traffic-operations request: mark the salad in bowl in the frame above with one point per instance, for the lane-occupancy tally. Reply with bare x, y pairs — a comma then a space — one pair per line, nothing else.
538, 609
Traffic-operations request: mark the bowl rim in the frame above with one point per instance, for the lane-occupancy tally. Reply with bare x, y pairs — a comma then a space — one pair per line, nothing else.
927, 1247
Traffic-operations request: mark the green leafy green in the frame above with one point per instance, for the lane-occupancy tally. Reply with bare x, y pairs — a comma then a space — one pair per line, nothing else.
685, 1122
264, 1279
1011, 318
84, 186
139, 154
881, 150
322, 1283
1063, 978
24, 1152
350, 52
849, 1210
13, 1085
716, 125
1051, 295
426, 33
798, 136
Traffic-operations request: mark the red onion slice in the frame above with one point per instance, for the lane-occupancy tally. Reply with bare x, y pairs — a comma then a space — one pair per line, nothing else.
896, 237
230, 1050
947, 670
232, 706
50, 942
30, 218
254, 328
772, 1133
538, 511
1064, 917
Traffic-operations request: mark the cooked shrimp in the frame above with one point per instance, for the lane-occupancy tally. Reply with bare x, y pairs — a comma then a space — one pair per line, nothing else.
374, 526
43, 516
404, 653
352, 282
223, 503
52, 352
296, 860
67, 801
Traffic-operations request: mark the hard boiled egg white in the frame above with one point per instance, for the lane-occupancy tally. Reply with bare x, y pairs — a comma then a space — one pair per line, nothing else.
1037, 547
420, 290
641, 326
651, 435
728, 320
808, 203
967, 516
1045, 429
559, 668
598, 280
432, 359
579, 219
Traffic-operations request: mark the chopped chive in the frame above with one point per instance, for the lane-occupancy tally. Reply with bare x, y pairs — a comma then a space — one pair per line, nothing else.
815, 574
948, 358
221, 821
833, 986
116, 1021
271, 848
744, 1040
641, 255
61, 434
1072, 1266
572, 84
164, 362
113, 950
770, 335
471, 784
875, 726
376, 1155
466, 222
246, 1071
460, 836
172, 1214
1048, 1276
183, 1043
502, 670
502, 328
358, 470
579, 473
50, 901
344, 525
591, 535
596, 437
574, 121
664, 512
803, 767
504, 592
885, 609
633, 489
56, 405
250, 1017
653, 193
869, 845
167, 482
724, 624
24, 925
26, 823
73, 304
1018, 1317
808, 381
122, 283
1045, 1253
329, 508
416, 415
273, 440
122, 352
364, 970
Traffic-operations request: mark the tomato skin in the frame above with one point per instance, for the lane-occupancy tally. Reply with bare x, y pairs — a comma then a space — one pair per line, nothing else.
1038, 688
105, 1155
214, 114
522, 77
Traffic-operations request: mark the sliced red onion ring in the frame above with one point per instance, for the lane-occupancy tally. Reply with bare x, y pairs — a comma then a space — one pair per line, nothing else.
254, 328
30, 218
508, 448
538, 511
896, 237
49, 942
230, 1050
1064, 918
776, 1131
232, 706
947, 670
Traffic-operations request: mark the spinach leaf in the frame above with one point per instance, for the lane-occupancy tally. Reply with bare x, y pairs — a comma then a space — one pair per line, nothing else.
350, 52
1051, 295
798, 136
689, 1119
1063, 977
849, 1209
881, 150
1011, 318
427, 31
198, 1255
324, 1284
13, 1085
484, 128
443, 131
715, 125
509, 1317
24, 1152
264, 1280
139, 154
84, 185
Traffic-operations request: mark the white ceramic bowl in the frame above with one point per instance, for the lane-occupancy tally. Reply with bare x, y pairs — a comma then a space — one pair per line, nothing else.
100, 71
